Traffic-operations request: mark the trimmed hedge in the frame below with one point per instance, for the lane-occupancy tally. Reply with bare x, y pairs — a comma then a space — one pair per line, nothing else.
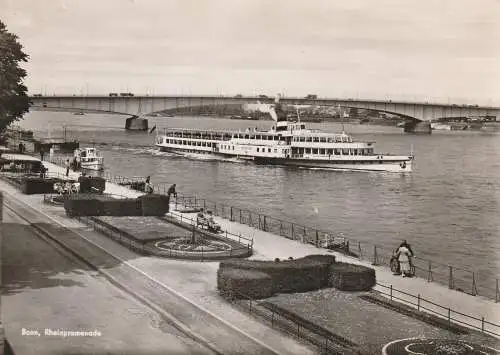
330, 259
89, 205
35, 185
90, 184
237, 278
138, 185
300, 275
351, 277
154, 204
82, 207
240, 284
121, 207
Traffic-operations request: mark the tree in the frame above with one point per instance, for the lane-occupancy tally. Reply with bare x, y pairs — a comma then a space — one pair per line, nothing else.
14, 101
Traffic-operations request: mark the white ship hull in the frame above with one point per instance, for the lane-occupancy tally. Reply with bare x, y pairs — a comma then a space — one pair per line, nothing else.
394, 164
287, 143
92, 166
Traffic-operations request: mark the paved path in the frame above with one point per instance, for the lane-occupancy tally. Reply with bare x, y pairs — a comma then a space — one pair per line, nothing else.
269, 246
187, 280
44, 288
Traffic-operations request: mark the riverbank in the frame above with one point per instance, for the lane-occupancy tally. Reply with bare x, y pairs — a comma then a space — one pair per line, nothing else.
181, 292
270, 246
197, 282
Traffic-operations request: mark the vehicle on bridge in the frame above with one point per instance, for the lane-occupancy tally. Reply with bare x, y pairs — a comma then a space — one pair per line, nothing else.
287, 143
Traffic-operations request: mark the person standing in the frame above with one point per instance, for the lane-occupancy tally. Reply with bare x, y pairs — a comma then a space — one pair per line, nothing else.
148, 188
41, 154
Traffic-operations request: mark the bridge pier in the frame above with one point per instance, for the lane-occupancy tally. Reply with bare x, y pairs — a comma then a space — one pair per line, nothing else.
417, 127
135, 123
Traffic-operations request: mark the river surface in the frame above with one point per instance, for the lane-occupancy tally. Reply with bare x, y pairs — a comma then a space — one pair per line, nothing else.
448, 208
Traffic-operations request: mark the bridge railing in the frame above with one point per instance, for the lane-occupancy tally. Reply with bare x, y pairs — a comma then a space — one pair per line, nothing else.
456, 278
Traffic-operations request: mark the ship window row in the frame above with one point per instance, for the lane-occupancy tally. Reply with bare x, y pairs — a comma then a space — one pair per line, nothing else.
191, 143
200, 135
338, 139
263, 137
269, 150
322, 151
225, 136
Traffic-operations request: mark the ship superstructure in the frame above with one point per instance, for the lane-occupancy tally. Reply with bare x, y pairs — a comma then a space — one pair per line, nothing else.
286, 143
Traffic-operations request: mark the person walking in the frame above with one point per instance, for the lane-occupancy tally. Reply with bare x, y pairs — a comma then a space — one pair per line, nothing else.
66, 164
404, 254
171, 191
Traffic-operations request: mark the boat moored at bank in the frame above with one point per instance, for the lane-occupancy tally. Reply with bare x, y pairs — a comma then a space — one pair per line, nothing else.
89, 159
287, 143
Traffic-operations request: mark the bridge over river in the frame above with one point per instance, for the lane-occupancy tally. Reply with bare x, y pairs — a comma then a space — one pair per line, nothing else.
141, 105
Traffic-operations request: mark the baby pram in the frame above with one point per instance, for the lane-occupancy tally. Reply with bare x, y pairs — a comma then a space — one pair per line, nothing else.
394, 263
396, 267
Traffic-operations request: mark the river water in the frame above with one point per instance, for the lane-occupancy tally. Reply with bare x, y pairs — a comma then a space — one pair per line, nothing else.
448, 208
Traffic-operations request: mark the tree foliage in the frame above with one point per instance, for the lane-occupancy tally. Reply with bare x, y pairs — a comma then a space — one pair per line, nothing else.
14, 101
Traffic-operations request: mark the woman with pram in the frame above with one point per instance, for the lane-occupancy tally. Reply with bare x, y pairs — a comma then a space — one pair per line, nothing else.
402, 260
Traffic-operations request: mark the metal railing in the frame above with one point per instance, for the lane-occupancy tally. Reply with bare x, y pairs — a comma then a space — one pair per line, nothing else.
240, 239
446, 313
129, 241
329, 343
455, 278
325, 341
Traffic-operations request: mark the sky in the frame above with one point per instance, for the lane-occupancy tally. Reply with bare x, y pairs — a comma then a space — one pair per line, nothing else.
419, 50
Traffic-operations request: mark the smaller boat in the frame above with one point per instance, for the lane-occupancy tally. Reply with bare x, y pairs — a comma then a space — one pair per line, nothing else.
89, 159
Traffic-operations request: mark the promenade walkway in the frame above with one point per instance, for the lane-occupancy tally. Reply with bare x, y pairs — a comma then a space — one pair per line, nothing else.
193, 281
417, 291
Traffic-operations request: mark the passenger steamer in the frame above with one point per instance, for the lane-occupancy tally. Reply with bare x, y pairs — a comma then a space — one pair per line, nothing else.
287, 143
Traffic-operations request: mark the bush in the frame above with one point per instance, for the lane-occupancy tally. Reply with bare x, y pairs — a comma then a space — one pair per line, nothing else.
82, 207
120, 207
97, 184
138, 185
84, 184
33, 185
239, 284
327, 258
300, 275
351, 277
154, 204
